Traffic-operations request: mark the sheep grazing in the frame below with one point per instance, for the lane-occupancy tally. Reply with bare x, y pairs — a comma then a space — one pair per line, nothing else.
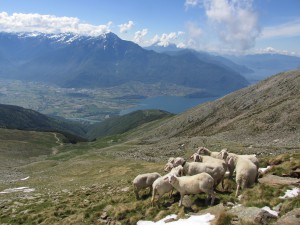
215, 169
246, 172
231, 167
195, 184
161, 186
143, 181
205, 151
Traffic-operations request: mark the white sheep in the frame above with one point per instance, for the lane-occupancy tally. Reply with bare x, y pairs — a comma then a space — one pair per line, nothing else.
195, 157
170, 164
216, 162
216, 170
171, 160
143, 181
231, 167
168, 167
195, 184
205, 151
161, 186
246, 172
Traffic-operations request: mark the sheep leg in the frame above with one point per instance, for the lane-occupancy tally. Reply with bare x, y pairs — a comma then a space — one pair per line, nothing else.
223, 184
153, 196
210, 195
237, 190
150, 190
136, 193
171, 192
181, 197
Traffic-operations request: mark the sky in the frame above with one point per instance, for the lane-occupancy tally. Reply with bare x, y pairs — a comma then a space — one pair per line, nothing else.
221, 26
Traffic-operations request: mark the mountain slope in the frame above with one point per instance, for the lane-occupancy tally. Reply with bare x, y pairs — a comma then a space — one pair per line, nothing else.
15, 117
268, 112
78, 61
125, 123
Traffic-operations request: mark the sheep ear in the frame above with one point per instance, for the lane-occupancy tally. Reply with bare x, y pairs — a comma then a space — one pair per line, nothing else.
192, 156
166, 178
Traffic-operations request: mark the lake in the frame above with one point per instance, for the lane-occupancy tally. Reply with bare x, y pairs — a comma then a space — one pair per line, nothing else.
173, 104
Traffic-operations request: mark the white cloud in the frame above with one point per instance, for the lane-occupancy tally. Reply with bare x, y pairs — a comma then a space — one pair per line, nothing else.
19, 22
126, 26
271, 50
194, 33
181, 45
166, 39
235, 22
138, 36
289, 29
191, 3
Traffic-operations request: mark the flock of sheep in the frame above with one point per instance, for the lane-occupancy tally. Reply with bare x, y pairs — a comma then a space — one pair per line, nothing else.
204, 174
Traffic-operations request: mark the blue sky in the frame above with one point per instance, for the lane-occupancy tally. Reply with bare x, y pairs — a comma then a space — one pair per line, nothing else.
228, 26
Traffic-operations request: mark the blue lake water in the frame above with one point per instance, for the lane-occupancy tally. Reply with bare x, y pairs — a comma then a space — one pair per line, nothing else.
173, 104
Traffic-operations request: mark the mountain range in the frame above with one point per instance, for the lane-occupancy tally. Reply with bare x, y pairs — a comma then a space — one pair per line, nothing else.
70, 60
253, 67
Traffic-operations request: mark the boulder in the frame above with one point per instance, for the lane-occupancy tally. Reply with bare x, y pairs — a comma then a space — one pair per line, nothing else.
250, 214
290, 218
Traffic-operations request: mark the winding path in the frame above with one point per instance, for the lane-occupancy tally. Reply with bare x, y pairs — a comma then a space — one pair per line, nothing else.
58, 141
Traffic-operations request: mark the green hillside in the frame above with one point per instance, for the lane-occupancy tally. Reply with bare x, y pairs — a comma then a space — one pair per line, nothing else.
15, 117
265, 113
122, 124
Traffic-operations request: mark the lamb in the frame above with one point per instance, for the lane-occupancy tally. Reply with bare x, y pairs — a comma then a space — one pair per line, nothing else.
195, 184
216, 170
246, 172
162, 186
143, 181
205, 151
231, 167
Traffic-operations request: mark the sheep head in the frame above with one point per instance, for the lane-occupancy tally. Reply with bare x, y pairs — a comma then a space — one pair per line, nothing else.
203, 151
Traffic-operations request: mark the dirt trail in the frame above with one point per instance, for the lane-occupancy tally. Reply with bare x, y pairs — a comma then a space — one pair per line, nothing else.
58, 141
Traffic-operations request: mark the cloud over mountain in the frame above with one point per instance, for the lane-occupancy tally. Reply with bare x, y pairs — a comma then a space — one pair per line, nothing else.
20, 22
236, 22
126, 26
138, 36
166, 39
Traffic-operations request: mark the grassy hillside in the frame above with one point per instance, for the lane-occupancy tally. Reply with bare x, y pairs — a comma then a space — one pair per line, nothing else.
119, 125
266, 113
15, 117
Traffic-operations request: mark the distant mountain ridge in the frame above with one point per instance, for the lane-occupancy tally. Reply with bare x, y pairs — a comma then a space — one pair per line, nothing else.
15, 117
253, 67
79, 61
